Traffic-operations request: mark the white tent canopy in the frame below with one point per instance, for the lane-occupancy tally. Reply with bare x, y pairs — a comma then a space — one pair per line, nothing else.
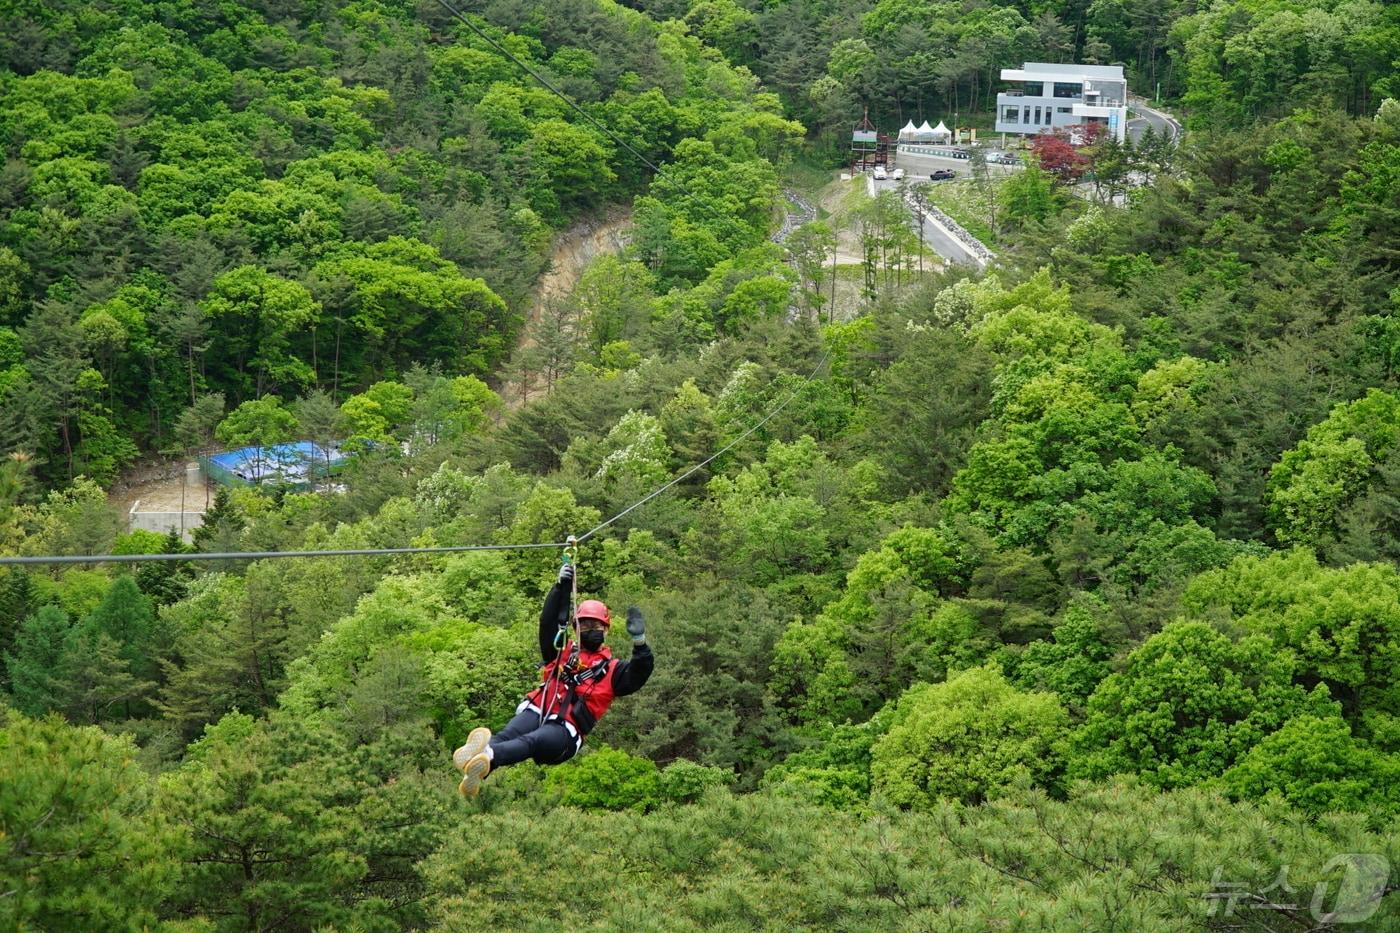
925, 132
909, 132
941, 132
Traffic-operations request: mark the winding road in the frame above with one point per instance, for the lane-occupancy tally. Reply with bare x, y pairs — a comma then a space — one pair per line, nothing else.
1161, 123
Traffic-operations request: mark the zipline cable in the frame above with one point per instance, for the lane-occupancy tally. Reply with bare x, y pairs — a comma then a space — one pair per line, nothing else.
264, 555
588, 116
712, 457
437, 549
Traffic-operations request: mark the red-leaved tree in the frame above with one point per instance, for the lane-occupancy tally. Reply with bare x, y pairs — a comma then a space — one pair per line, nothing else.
1061, 158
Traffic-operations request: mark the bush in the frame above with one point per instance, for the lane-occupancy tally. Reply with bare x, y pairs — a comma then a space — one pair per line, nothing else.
683, 780
607, 779
968, 739
1316, 765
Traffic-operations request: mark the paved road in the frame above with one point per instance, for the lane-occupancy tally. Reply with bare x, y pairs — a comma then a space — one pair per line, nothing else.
1160, 122
936, 238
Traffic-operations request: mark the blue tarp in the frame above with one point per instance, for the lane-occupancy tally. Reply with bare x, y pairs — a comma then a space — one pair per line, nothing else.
296, 463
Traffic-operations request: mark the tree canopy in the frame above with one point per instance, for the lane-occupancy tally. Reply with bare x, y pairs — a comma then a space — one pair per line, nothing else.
1062, 594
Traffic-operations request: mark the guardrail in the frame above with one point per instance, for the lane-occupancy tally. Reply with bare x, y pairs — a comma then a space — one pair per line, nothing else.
1003, 158
916, 149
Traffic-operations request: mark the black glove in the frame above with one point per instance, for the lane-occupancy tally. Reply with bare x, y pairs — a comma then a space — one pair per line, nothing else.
635, 627
566, 574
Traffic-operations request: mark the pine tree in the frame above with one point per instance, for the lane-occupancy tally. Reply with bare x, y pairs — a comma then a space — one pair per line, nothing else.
230, 654
166, 581
125, 616
97, 682
290, 830
17, 602
55, 344
83, 849
222, 523
33, 666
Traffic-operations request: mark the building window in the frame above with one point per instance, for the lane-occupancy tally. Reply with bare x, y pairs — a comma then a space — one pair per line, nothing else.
1047, 116
1069, 89
1011, 114
1034, 89
1037, 115
1026, 114
1064, 110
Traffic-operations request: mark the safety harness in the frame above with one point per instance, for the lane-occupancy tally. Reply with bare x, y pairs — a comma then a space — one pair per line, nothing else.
565, 692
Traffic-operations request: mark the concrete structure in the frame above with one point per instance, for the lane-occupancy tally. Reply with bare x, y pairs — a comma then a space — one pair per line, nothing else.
162, 519
1052, 97
162, 523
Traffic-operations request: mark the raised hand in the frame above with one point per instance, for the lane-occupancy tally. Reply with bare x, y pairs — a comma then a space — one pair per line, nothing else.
635, 626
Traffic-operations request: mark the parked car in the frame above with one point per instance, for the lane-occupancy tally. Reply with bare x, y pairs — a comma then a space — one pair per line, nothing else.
880, 174
942, 174
897, 174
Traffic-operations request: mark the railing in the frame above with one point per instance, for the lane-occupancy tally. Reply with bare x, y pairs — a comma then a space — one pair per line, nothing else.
1004, 158
917, 149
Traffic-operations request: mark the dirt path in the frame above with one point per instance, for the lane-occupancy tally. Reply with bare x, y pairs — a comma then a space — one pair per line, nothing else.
157, 487
573, 250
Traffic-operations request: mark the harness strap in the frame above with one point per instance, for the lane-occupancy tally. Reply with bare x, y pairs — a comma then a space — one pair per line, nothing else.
555, 717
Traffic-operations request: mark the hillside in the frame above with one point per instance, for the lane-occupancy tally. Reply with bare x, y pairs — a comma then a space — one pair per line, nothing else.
1064, 595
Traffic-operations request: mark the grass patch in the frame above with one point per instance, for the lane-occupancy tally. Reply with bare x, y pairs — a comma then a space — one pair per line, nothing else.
851, 199
807, 175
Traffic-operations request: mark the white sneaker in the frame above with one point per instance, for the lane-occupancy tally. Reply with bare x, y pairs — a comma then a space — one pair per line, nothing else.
473, 774
476, 744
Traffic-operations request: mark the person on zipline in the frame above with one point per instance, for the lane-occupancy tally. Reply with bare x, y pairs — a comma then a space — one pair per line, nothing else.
578, 684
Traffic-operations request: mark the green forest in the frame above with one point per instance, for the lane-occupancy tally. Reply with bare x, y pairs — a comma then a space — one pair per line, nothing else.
1058, 595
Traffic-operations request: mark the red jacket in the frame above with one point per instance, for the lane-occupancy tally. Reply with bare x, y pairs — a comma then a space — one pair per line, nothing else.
589, 685
584, 692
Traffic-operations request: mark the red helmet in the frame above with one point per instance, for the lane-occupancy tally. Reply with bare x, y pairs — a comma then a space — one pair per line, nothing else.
594, 609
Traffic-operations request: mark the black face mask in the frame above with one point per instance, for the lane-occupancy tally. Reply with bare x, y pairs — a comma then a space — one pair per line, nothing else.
591, 641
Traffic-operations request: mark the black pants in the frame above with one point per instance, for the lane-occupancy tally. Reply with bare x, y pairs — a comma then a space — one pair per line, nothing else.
524, 737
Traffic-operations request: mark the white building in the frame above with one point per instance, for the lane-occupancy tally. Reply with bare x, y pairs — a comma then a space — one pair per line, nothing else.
1051, 97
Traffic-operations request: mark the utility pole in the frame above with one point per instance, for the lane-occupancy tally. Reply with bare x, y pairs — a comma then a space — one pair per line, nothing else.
919, 215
